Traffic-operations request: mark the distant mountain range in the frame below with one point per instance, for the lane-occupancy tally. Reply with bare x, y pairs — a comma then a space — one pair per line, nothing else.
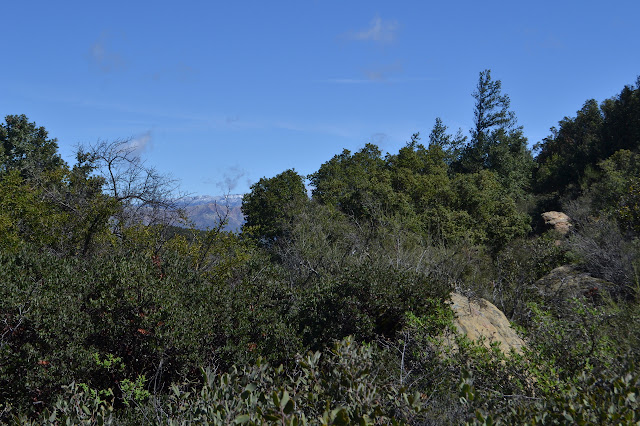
205, 211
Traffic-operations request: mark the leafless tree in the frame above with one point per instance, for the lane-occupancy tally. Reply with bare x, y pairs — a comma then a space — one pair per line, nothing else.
144, 195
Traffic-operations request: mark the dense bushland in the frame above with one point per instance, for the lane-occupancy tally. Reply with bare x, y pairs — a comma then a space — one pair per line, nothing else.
330, 309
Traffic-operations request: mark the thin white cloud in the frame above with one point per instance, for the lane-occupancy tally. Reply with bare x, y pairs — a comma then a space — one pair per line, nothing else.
380, 31
141, 143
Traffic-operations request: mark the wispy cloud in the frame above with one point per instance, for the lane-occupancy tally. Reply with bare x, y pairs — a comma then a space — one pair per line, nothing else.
380, 139
102, 56
231, 178
141, 143
379, 30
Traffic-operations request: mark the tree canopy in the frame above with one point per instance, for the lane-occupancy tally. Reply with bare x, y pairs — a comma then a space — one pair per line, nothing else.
26, 148
272, 204
568, 159
330, 309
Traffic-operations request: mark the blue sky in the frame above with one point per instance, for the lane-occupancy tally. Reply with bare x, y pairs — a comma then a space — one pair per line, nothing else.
220, 94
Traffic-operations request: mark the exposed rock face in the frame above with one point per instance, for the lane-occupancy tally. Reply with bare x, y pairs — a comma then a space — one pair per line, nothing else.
558, 221
565, 282
481, 318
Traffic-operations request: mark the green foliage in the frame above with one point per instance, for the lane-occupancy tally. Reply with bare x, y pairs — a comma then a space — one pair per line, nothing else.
452, 146
491, 113
415, 185
565, 155
517, 267
42, 201
568, 158
343, 279
601, 249
420, 174
629, 209
596, 398
496, 219
616, 192
364, 300
271, 205
357, 184
621, 129
337, 387
26, 148
497, 143
569, 373
109, 316
79, 404
576, 342
158, 317
24, 217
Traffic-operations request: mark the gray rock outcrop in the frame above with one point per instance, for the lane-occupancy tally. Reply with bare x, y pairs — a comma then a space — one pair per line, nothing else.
566, 282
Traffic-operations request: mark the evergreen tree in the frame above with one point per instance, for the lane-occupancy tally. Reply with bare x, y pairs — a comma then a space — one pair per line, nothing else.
621, 126
451, 145
27, 148
42, 201
491, 115
566, 155
271, 206
497, 142
568, 159
358, 184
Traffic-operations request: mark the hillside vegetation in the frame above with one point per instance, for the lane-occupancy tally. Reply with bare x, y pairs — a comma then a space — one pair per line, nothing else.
329, 309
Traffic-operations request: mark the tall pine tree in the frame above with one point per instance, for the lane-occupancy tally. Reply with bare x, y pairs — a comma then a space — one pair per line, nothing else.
497, 142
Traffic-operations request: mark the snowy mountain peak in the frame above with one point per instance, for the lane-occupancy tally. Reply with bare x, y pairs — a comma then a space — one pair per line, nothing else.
196, 200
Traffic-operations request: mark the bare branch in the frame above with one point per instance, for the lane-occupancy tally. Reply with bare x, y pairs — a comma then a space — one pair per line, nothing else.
145, 195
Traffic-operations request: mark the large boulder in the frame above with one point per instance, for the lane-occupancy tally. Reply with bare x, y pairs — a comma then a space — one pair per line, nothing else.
566, 282
481, 319
558, 221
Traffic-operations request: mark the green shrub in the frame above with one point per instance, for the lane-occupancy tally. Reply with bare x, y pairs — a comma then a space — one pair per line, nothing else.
337, 387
